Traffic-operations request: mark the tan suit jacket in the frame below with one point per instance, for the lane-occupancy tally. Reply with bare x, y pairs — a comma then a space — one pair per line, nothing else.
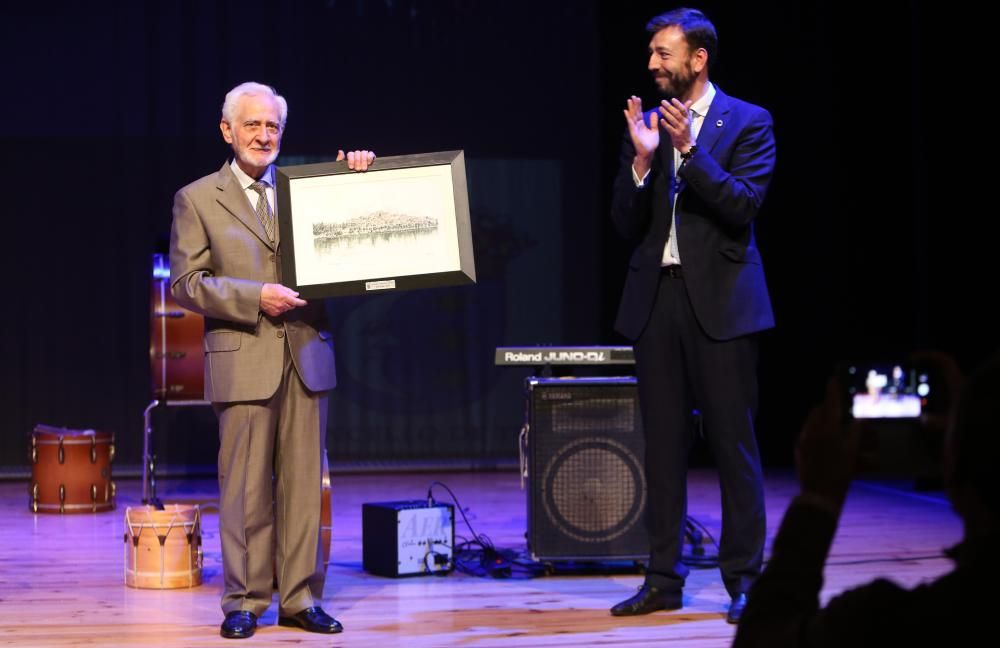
271, 430
220, 257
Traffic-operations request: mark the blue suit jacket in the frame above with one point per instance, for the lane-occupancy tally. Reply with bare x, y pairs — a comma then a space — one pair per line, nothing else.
721, 189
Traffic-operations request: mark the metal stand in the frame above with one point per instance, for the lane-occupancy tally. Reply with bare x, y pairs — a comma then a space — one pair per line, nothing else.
148, 458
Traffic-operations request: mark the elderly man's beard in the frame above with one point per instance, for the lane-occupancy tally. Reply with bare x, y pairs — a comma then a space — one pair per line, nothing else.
258, 157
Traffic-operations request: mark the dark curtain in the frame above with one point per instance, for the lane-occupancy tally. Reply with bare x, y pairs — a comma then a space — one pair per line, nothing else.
111, 106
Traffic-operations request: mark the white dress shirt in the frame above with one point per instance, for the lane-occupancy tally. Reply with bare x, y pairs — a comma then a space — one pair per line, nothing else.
698, 110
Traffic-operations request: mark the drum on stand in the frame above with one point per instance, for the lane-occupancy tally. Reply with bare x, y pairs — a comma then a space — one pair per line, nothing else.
163, 548
176, 354
71, 470
177, 363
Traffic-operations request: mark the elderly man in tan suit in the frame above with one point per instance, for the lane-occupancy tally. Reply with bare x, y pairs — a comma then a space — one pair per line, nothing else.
268, 368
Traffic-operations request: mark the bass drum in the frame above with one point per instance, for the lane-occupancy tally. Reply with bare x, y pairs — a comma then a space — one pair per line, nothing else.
325, 521
326, 516
176, 354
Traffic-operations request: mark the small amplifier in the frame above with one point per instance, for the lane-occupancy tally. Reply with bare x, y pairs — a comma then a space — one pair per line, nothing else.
407, 538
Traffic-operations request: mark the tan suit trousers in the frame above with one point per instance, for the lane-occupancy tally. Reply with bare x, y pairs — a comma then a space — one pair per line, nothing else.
283, 436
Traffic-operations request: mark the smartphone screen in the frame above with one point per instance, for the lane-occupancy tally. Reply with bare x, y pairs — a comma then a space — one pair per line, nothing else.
886, 390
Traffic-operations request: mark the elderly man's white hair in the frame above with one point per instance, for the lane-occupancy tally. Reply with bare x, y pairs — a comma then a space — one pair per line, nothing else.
252, 88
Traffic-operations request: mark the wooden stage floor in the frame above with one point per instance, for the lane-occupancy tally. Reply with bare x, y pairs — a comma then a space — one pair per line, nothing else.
61, 577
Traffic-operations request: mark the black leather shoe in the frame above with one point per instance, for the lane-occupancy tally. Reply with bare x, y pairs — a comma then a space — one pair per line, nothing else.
239, 625
648, 599
312, 619
736, 608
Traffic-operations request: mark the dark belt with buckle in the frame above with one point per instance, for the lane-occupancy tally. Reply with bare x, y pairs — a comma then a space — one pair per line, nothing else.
673, 271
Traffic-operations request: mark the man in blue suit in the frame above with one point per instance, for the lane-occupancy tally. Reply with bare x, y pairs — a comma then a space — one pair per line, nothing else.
694, 173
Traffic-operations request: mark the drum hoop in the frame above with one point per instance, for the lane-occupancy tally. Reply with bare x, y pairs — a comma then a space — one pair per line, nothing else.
183, 525
74, 507
194, 523
156, 573
73, 441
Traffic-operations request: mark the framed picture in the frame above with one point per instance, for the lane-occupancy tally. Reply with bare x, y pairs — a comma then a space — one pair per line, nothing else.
402, 224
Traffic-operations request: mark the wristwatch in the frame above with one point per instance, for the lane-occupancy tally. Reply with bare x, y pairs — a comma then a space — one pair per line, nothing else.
691, 151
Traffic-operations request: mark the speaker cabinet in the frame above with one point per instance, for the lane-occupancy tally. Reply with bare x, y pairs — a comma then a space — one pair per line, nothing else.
583, 450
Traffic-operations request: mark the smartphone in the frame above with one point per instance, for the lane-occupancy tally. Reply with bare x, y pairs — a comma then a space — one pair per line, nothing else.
886, 390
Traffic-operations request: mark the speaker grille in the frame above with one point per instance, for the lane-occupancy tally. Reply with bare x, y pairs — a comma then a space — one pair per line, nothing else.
592, 490
588, 490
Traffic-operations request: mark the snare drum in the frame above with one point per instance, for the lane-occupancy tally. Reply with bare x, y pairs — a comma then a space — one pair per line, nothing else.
163, 548
71, 470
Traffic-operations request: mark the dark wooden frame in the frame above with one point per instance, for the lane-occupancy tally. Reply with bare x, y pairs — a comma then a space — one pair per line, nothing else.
465, 273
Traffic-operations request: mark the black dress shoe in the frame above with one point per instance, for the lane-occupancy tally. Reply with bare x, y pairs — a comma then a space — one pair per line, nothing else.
312, 619
239, 625
648, 599
736, 608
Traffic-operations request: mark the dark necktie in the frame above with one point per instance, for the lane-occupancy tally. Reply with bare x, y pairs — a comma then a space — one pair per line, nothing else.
264, 209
